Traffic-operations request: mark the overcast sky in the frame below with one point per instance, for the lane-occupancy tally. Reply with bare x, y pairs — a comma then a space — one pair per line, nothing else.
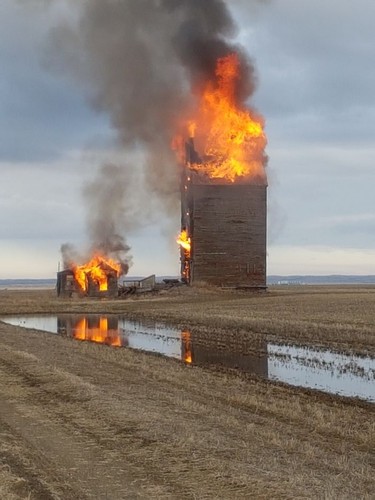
316, 81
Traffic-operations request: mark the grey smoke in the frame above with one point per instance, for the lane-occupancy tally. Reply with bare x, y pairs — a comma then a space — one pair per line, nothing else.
140, 61
70, 256
107, 216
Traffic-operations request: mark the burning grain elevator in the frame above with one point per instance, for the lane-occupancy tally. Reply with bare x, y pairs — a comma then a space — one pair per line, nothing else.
223, 188
224, 227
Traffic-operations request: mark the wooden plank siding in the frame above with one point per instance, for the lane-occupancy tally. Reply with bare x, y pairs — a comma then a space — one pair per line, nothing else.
227, 225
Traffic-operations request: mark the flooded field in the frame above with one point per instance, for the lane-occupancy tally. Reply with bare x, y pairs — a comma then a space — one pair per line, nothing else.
324, 370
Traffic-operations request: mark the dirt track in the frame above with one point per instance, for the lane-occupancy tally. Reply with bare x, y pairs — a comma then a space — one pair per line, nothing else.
79, 420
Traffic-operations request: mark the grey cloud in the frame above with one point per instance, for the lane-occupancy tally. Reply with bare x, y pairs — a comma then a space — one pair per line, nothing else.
353, 231
38, 202
314, 60
41, 115
317, 184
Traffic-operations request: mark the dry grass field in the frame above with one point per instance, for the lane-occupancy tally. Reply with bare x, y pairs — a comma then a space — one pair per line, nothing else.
86, 421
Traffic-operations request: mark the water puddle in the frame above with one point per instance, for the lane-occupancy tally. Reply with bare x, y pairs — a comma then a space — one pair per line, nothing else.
324, 370
304, 367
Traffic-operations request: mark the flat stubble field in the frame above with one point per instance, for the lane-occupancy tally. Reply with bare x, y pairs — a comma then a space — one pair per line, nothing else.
80, 420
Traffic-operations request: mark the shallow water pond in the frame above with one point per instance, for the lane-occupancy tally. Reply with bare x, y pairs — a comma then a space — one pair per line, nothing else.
299, 366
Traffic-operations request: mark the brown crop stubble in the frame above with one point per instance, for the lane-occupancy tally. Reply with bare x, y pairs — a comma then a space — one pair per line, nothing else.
186, 432
175, 431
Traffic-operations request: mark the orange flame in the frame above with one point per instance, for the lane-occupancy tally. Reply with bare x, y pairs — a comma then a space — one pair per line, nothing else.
233, 138
97, 269
184, 241
192, 126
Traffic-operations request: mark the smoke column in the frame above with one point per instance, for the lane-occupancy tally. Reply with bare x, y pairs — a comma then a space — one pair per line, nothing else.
106, 218
141, 62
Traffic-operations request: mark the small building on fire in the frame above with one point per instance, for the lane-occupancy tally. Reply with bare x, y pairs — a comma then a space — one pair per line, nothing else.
89, 284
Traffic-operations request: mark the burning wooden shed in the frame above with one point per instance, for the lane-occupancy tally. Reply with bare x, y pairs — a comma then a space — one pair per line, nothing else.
97, 278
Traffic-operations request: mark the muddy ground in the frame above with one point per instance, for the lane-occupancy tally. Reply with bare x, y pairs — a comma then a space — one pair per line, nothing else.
86, 421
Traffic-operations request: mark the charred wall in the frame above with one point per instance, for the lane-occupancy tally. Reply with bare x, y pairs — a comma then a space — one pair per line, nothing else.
227, 226
67, 285
93, 287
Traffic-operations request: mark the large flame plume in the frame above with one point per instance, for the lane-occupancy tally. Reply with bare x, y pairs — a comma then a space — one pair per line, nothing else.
229, 135
234, 139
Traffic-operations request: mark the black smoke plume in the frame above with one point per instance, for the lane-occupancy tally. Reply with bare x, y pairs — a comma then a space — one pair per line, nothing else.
141, 61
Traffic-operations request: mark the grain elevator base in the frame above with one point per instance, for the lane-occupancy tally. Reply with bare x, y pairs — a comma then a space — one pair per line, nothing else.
227, 226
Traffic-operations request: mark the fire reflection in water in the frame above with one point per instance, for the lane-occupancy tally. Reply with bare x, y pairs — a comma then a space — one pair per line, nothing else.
102, 330
226, 353
186, 347
191, 348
